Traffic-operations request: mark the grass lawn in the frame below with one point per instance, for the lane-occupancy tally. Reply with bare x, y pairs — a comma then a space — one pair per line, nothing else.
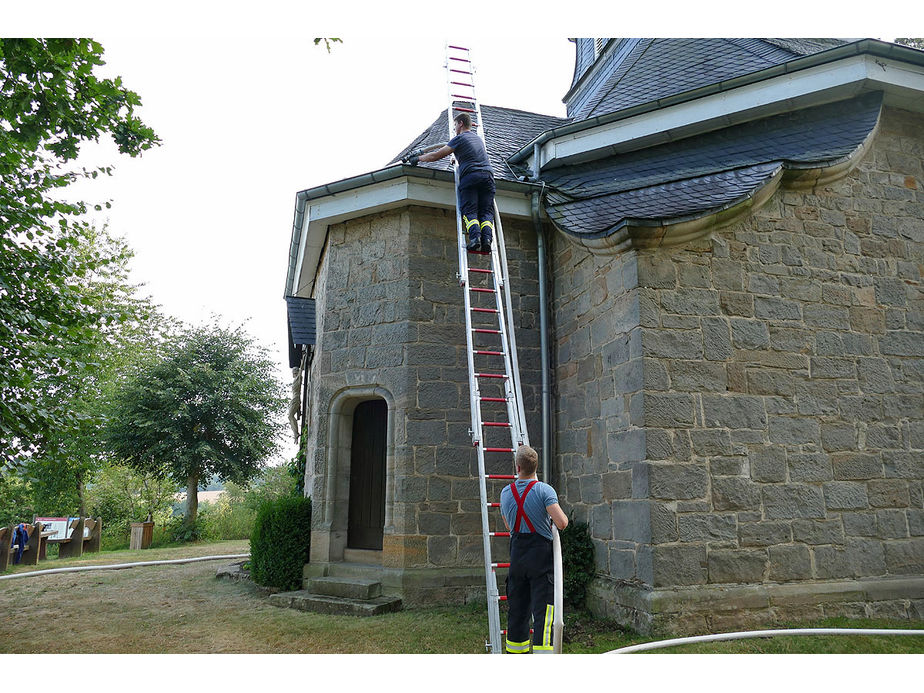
184, 609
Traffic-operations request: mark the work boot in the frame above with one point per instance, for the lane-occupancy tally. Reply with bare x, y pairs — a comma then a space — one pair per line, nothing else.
485, 245
474, 243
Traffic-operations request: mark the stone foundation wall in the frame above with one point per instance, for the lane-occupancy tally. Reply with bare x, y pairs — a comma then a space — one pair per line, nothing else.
782, 363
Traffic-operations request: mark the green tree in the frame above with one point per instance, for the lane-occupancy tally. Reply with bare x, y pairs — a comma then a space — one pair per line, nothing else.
50, 103
128, 329
911, 42
211, 406
123, 495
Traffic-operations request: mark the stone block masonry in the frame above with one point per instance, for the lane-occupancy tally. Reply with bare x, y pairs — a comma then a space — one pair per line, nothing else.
391, 326
762, 393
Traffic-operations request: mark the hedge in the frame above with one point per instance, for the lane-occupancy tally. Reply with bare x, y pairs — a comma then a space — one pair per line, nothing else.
280, 542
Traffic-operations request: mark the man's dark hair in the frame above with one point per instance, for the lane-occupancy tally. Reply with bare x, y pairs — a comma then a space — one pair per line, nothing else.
465, 119
527, 460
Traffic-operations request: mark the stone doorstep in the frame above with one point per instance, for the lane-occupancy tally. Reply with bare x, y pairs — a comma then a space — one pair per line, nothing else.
341, 606
351, 588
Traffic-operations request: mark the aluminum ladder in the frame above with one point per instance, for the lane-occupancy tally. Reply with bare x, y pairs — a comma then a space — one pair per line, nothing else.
491, 343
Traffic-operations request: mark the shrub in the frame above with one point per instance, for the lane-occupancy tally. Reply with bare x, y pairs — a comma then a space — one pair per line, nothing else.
577, 556
280, 542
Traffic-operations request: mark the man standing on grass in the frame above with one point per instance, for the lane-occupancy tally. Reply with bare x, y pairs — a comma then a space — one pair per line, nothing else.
529, 506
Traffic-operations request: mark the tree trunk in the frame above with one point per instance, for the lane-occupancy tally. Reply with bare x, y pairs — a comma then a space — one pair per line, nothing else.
192, 499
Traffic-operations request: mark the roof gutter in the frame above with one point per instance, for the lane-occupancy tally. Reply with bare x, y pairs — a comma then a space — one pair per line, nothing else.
865, 46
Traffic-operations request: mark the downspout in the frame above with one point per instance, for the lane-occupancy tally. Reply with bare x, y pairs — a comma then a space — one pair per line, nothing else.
543, 319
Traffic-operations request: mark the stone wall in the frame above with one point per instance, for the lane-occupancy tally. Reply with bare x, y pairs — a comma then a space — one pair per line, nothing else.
766, 417
391, 325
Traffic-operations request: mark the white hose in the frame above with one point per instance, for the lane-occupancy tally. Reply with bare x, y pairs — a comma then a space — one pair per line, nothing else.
762, 634
558, 620
118, 566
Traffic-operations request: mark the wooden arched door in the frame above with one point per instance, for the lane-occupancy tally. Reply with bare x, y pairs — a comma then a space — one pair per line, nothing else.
367, 476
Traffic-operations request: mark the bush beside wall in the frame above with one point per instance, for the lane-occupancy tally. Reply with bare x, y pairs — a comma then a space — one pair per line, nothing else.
280, 542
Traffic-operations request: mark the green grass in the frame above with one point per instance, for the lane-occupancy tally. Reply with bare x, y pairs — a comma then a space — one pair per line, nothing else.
184, 609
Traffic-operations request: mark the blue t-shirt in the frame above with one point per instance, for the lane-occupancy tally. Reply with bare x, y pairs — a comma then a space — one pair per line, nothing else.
540, 496
470, 153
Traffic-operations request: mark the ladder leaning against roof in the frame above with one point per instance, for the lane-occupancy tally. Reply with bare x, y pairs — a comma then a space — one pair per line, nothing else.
491, 340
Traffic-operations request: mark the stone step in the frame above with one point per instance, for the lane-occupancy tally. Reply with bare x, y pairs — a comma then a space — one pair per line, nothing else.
349, 587
326, 604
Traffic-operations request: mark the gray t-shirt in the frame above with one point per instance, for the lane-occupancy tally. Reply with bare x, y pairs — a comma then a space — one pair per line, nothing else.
540, 496
470, 153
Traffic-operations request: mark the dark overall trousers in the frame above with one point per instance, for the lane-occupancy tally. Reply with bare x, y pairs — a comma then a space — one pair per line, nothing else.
530, 586
476, 203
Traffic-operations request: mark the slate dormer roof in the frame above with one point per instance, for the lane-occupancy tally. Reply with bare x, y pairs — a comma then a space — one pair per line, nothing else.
507, 130
635, 71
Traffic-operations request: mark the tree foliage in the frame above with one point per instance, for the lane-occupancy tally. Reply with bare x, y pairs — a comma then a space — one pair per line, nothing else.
128, 330
51, 102
210, 406
911, 42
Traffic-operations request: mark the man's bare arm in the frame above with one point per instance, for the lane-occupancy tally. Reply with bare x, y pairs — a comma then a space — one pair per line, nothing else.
437, 155
558, 515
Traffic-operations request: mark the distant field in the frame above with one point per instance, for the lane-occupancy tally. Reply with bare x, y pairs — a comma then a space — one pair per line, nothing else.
184, 609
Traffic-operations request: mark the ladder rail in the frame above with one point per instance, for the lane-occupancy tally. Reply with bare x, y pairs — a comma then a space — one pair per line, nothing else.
512, 388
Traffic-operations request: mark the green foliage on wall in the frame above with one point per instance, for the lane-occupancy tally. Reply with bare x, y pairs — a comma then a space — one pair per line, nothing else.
577, 555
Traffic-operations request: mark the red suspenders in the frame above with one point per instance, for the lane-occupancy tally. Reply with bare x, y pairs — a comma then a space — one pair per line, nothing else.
521, 513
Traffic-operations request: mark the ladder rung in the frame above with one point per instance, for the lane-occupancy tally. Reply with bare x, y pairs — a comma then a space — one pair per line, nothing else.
502, 598
496, 423
463, 84
485, 310
490, 375
500, 476
484, 331
465, 97
493, 399
493, 505
464, 110
478, 269
488, 353
461, 60
481, 290
461, 72
499, 450
499, 534
500, 565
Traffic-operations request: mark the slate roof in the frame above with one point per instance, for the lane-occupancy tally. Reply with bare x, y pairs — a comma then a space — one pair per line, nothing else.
702, 174
657, 68
302, 326
506, 131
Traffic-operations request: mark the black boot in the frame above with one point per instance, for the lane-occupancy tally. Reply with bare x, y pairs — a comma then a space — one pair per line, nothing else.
485, 245
474, 243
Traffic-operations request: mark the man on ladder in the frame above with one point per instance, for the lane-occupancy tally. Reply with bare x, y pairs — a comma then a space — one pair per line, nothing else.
476, 182
527, 506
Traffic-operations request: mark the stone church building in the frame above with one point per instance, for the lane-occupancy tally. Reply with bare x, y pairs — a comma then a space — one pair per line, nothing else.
723, 242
